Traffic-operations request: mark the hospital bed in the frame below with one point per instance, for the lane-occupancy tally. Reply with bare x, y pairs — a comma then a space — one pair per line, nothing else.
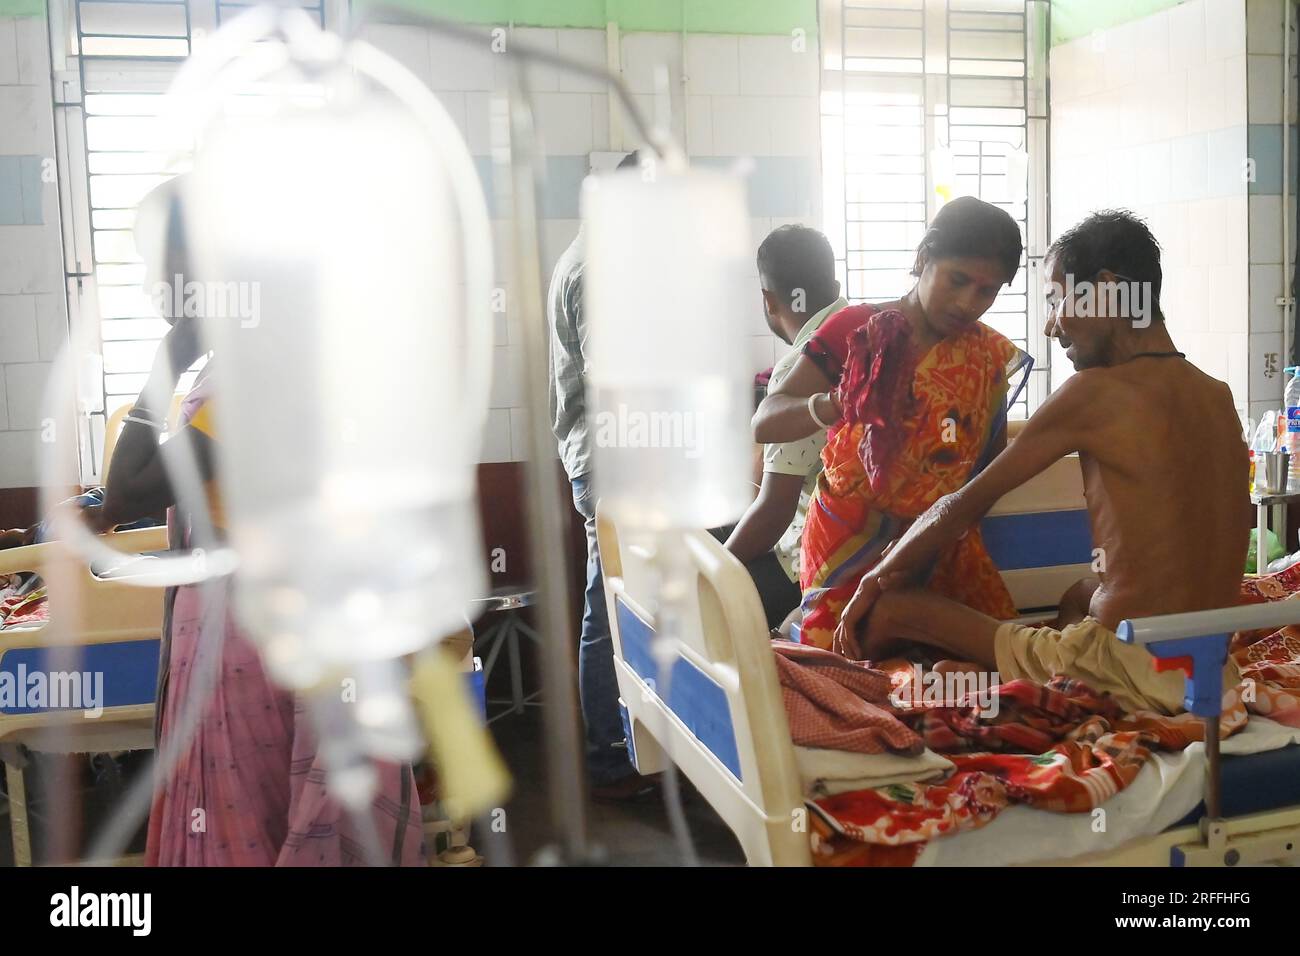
98, 624
724, 722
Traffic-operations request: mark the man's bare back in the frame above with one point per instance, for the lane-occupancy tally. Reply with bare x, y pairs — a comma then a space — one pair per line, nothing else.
1166, 477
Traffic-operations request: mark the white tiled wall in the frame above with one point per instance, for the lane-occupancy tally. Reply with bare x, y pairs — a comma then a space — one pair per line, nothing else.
730, 96
1152, 115
33, 323
1265, 29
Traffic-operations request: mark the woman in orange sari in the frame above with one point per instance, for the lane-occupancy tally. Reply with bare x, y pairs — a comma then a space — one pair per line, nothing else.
914, 396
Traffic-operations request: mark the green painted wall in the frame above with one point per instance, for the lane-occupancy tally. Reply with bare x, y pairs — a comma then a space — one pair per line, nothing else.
700, 16
1072, 19
22, 8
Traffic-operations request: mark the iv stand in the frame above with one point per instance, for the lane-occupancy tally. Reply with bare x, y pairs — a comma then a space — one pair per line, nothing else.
559, 710
525, 173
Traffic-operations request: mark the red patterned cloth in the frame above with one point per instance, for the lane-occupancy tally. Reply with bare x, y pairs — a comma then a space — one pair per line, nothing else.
1082, 750
839, 704
876, 390
916, 427
31, 608
1057, 747
1270, 661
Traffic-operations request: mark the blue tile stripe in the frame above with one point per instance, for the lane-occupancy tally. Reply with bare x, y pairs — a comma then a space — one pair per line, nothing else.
33, 189
11, 191
21, 191
1264, 146
779, 186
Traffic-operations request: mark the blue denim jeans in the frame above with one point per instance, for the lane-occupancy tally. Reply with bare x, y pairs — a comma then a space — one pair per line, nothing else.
597, 684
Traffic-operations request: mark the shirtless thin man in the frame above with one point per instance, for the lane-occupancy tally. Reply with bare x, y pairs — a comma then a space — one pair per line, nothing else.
1159, 443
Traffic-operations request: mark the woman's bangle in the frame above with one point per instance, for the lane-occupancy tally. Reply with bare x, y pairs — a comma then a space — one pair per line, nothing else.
812, 409
142, 416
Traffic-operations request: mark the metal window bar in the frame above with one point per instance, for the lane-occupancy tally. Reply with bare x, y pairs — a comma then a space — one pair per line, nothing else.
909, 23
159, 34
229, 8
977, 121
107, 266
165, 33
974, 143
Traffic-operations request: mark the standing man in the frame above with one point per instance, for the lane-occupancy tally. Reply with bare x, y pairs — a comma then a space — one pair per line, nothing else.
611, 772
796, 269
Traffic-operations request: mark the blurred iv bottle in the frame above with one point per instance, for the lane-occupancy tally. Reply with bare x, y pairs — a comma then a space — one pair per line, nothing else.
348, 430
672, 302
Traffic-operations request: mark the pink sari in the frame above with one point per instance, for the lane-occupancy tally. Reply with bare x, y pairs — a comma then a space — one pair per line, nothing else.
249, 789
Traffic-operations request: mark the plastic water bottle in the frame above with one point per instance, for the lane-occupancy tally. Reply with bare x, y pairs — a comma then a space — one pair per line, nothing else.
1292, 441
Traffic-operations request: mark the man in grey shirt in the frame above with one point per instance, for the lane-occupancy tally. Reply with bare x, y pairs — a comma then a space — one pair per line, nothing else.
611, 772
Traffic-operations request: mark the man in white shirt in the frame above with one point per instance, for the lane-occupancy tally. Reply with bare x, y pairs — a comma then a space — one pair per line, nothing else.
796, 269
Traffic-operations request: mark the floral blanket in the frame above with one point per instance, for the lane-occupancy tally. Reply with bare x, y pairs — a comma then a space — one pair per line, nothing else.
1059, 746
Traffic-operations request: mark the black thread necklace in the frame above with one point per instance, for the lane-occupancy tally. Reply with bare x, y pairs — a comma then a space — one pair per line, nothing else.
1181, 355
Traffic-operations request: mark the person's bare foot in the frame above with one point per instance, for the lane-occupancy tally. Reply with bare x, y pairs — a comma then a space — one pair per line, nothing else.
958, 667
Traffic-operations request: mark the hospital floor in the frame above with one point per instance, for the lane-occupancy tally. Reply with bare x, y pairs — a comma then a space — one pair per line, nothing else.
635, 833
100, 782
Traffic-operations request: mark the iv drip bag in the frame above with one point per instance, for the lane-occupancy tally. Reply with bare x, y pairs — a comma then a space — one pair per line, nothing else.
349, 408
669, 286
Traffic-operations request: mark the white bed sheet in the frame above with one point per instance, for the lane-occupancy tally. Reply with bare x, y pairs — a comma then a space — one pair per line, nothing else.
824, 773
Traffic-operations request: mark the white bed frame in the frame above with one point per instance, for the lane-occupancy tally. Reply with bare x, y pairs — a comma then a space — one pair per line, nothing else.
725, 653
89, 612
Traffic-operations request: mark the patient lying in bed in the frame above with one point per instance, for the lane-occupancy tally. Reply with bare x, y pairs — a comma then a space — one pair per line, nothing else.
1165, 477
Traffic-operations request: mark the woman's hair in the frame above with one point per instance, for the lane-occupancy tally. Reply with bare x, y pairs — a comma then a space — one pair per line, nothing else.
971, 228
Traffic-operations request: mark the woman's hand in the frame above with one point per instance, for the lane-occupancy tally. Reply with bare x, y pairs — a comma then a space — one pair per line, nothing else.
894, 570
783, 415
177, 351
182, 345
855, 612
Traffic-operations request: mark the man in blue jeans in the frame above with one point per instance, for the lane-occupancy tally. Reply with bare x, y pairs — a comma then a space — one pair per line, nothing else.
611, 772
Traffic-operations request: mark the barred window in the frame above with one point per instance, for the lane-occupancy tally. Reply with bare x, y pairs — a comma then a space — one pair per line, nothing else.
119, 58
923, 101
